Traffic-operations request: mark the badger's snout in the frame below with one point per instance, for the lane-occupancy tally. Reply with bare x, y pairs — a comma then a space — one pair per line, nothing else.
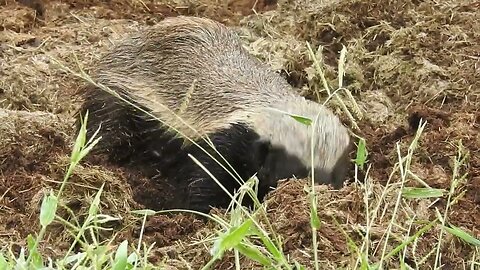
335, 176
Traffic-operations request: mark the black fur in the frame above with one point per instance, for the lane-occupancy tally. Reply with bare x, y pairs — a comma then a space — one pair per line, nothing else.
131, 139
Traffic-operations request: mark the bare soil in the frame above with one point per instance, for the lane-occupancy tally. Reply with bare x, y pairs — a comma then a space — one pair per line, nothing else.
406, 61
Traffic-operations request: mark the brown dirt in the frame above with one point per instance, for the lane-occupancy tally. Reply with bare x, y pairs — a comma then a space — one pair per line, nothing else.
406, 61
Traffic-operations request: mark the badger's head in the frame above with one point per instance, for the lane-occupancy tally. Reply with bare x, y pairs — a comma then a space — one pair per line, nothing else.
284, 149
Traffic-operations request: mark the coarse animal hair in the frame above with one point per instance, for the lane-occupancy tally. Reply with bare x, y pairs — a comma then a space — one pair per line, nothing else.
194, 72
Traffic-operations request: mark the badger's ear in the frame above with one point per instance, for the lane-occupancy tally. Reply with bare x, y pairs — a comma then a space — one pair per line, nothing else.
260, 151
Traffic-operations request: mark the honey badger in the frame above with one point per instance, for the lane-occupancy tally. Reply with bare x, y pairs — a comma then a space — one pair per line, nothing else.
194, 76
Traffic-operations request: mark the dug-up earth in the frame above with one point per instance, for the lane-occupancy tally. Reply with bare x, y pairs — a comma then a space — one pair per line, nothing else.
406, 60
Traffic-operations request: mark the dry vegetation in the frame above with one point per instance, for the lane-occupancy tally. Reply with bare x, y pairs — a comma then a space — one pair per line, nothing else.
406, 61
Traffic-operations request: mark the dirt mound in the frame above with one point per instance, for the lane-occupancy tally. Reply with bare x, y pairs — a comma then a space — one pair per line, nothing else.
35, 152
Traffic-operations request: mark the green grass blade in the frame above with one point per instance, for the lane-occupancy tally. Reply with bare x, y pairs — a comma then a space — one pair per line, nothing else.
298, 266
400, 247
121, 256
403, 265
3, 263
36, 258
21, 262
132, 258
92, 211
419, 193
274, 251
362, 153
81, 139
314, 219
304, 120
462, 235
254, 254
48, 209
364, 262
74, 258
231, 238
88, 148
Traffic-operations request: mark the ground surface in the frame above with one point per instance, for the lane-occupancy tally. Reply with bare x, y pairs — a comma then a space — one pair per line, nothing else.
406, 61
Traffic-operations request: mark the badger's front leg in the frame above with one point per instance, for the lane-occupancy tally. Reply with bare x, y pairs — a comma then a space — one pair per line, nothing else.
201, 191
204, 193
239, 146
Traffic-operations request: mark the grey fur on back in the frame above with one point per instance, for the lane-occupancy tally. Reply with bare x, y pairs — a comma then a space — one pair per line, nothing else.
195, 67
